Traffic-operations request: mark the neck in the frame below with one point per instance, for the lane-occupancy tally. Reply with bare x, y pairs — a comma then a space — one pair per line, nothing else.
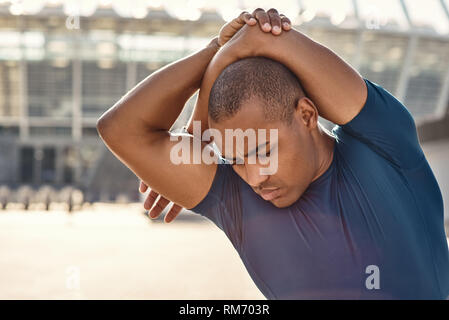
325, 152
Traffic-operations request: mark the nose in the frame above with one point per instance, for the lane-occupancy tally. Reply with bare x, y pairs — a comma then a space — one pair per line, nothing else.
253, 176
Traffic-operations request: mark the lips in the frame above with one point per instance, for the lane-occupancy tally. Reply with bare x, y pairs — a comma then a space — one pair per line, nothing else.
269, 194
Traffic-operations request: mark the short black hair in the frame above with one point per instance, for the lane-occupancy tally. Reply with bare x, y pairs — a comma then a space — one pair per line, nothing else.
273, 83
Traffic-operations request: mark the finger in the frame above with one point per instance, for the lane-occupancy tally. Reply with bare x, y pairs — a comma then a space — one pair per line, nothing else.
173, 213
160, 205
248, 18
275, 21
244, 17
264, 20
286, 23
149, 201
142, 187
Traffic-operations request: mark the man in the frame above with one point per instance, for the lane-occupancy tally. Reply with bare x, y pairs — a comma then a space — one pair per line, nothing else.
352, 214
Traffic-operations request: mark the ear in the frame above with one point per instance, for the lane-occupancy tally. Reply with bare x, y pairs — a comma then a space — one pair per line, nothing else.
307, 113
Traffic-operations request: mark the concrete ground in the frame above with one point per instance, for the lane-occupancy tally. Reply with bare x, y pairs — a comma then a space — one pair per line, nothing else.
115, 252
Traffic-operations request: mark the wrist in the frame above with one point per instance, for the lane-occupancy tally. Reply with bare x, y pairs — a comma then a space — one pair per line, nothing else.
249, 41
213, 44
276, 47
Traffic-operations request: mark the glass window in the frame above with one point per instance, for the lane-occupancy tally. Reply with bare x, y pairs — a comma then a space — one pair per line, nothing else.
429, 67
9, 89
50, 131
48, 172
50, 88
90, 132
103, 84
26, 164
382, 58
69, 163
6, 130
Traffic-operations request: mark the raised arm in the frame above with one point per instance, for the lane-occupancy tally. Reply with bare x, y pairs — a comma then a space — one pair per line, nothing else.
337, 90
136, 128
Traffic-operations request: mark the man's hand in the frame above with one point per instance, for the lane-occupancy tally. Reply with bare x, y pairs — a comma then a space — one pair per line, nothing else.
268, 21
248, 41
161, 204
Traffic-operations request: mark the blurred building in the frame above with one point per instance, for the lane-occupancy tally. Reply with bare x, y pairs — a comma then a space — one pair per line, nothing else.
63, 63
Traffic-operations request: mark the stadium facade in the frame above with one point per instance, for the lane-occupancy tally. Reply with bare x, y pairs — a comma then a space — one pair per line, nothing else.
62, 65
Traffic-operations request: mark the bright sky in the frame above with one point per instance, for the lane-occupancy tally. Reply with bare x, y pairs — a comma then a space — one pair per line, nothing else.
422, 13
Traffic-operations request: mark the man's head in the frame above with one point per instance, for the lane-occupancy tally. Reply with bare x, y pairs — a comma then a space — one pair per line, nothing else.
275, 85
260, 93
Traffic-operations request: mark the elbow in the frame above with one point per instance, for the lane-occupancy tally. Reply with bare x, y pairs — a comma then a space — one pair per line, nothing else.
102, 126
105, 130
109, 121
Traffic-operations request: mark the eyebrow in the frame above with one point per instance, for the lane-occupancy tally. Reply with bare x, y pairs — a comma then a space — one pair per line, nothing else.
234, 160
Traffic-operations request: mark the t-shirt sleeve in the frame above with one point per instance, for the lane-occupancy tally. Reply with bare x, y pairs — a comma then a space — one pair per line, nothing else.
222, 204
386, 125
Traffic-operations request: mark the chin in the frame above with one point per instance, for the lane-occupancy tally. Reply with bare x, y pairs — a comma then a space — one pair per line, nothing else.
285, 200
281, 202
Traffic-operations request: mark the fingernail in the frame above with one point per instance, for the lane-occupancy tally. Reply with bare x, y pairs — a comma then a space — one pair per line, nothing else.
252, 20
267, 26
286, 24
276, 29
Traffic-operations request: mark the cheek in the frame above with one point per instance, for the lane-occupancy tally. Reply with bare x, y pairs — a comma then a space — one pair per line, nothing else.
286, 170
293, 167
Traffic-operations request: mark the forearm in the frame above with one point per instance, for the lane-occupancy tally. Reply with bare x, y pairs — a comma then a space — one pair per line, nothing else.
223, 58
337, 90
199, 115
156, 102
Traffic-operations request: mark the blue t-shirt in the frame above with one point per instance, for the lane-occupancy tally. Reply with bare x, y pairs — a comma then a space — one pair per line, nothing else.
370, 227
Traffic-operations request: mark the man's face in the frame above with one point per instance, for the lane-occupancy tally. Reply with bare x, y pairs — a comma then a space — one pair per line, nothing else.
295, 159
